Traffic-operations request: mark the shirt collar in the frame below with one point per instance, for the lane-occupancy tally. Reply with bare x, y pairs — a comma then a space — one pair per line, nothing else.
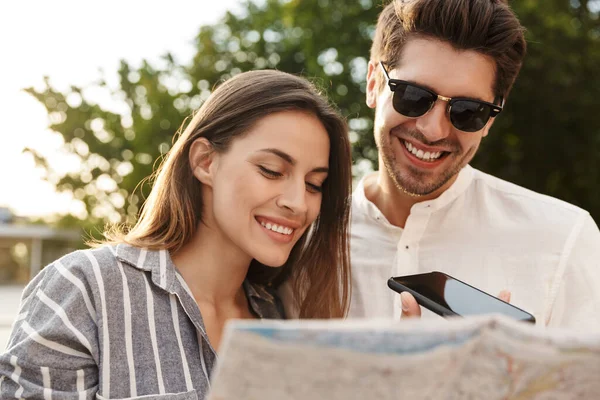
360, 201
257, 291
157, 262
460, 185
263, 301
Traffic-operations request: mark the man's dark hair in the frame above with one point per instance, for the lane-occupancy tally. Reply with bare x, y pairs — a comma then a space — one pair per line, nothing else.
489, 27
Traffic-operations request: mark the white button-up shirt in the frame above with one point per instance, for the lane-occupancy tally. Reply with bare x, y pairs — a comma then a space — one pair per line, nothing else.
491, 234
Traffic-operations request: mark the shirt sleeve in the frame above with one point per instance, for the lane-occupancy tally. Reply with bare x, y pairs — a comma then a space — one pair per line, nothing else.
53, 351
577, 302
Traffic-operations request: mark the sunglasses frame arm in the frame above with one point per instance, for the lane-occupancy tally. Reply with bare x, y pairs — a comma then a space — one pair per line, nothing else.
495, 108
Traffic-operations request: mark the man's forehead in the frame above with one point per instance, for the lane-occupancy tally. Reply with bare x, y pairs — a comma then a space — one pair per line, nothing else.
445, 69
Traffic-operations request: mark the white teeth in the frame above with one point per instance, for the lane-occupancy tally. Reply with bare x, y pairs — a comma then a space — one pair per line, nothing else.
278, 228
426, 156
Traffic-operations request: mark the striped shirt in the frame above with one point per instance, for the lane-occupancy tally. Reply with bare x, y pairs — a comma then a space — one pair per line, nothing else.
113, 322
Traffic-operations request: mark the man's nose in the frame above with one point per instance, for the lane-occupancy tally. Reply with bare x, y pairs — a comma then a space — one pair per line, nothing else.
435, 124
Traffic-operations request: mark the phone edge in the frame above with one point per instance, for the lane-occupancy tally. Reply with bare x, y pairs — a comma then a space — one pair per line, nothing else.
421, 300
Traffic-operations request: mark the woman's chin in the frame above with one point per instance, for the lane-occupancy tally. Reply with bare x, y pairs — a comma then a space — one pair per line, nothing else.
272, 260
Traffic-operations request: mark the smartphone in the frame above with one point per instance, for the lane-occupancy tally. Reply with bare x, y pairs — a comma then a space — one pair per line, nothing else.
448, 296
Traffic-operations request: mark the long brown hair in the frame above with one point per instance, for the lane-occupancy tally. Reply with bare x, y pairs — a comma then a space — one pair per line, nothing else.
489, 27
318, 265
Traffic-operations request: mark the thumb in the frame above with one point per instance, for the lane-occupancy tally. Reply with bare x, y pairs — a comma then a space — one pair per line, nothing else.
410, 307
504, 295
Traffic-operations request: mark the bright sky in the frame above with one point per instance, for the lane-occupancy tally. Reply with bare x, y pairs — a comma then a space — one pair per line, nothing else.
69, 41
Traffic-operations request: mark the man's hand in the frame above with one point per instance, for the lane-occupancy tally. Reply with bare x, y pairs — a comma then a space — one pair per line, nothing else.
411, 309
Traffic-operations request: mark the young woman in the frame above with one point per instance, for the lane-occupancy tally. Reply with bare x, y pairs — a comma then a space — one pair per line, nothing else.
253, 193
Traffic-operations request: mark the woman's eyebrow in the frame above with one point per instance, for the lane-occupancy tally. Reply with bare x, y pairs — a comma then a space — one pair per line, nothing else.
289, 159
281, 154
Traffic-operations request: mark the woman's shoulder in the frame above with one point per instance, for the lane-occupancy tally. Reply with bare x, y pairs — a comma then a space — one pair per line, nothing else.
78, 268
85, 260
67, 282
96, 274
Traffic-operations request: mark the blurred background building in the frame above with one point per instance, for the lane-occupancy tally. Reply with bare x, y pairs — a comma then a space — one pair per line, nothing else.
25, 248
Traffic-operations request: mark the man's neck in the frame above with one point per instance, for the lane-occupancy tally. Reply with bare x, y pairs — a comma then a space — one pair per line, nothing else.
394, 203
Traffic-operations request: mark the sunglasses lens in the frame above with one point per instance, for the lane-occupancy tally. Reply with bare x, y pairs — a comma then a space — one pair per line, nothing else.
412, 101
469, 116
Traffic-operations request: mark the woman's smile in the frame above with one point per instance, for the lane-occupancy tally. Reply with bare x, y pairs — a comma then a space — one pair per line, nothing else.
280, 230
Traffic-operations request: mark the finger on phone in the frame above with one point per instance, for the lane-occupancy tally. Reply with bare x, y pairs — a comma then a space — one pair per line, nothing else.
410, 307
504, 296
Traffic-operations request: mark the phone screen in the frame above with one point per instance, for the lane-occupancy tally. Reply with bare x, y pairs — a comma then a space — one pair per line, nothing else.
457, 296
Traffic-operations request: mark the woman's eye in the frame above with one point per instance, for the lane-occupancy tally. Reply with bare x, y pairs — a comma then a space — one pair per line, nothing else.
312, 188
269, 173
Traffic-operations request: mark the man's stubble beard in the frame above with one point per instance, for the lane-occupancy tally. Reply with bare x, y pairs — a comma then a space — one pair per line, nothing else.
411, 182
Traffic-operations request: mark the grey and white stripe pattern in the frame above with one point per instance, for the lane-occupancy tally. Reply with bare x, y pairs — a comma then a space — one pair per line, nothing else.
115, 322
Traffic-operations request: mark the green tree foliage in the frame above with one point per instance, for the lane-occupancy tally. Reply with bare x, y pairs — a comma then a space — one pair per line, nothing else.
548, 138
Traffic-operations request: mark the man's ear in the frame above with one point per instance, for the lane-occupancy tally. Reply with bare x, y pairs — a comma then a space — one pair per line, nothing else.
372, 86
500, 100
488, 126
202, 157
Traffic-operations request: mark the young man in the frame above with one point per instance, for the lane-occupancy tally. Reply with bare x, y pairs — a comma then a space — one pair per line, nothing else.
439, 74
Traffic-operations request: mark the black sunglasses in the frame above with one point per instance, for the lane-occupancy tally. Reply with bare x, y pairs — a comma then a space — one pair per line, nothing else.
467, 115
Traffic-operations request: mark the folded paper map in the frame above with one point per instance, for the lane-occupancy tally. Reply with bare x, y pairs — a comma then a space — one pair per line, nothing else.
489, 358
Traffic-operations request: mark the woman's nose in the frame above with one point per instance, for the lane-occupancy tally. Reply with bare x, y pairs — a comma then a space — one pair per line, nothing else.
293, 197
